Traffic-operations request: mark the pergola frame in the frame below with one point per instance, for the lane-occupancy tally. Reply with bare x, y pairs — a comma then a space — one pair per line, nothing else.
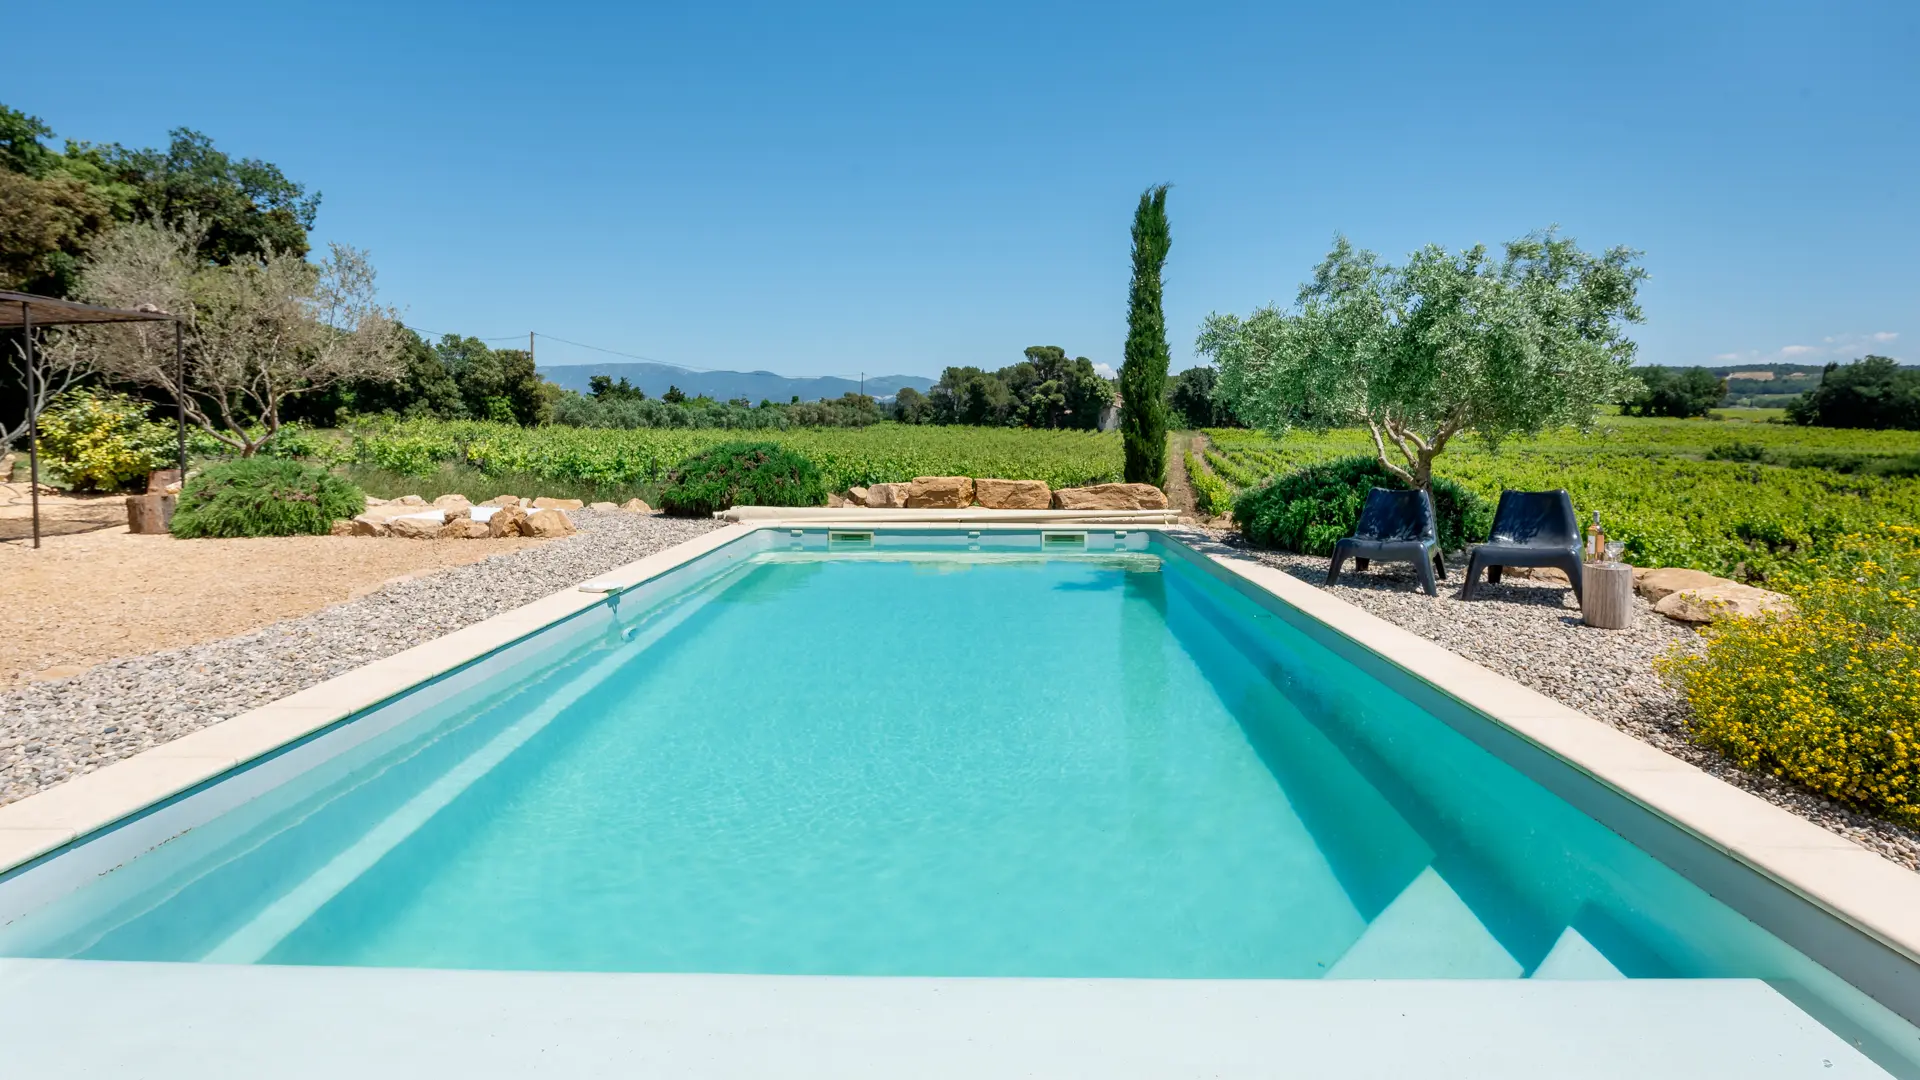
25, 311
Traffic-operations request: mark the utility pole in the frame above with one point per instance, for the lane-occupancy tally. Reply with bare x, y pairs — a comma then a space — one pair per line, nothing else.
530, 346
863, 384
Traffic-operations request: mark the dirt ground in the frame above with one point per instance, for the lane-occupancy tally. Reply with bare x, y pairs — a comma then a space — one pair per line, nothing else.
95, 592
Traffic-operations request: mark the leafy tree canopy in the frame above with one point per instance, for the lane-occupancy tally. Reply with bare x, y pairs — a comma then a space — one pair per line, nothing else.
1872, 392
604, 388
1499, 347
1046, 390
56, 204
1193, 400
1677, 392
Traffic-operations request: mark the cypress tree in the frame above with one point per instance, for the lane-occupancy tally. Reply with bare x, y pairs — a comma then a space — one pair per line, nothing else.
1143, 374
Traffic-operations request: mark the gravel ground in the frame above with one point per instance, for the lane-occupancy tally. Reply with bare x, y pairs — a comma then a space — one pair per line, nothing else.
1530, 631
50, 731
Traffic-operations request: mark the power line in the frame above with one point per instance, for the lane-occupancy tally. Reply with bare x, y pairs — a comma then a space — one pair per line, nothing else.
442, 333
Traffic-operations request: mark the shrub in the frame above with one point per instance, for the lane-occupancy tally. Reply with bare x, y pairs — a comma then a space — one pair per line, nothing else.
1828, 695
264, 497
101, 442
742, 474
1310, 508
1738, 451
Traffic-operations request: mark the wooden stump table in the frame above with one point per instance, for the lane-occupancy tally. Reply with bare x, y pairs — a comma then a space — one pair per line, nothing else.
1607, 595
149, 513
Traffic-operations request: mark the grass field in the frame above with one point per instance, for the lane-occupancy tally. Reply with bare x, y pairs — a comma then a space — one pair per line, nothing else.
1695, 493
1751, 414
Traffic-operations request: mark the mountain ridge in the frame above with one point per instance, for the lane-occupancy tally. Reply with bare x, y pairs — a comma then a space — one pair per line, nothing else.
726, 385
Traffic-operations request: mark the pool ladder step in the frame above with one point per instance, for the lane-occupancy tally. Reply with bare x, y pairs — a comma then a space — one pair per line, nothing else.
1429, 932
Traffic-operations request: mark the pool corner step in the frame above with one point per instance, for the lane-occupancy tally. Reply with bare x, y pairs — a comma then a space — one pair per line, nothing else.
1428, 932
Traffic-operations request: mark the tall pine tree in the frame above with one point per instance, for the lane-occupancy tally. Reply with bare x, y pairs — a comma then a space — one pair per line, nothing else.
1143, 375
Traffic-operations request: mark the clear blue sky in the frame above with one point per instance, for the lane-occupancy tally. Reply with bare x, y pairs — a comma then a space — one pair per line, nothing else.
818, 189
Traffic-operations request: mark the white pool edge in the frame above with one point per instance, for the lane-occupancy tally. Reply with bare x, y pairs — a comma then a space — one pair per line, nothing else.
1857, 886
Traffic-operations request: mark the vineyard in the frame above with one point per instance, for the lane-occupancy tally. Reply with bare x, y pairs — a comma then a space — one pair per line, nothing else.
1700, 494
847, 456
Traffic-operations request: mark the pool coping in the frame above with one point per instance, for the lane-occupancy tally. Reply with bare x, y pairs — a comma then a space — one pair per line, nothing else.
1866, 891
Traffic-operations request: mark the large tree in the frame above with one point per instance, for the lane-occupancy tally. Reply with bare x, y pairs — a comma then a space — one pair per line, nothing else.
54, 204
1143, 374
259, 332
1499, 347
1680, 393
1871, 392
246, 208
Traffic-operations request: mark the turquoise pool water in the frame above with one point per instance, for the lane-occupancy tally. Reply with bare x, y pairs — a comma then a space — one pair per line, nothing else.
954, 762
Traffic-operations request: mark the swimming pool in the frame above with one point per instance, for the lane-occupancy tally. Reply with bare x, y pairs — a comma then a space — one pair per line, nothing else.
1083, 754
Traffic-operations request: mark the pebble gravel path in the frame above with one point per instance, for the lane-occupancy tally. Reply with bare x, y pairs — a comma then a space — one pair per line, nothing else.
1530, 631
50, 731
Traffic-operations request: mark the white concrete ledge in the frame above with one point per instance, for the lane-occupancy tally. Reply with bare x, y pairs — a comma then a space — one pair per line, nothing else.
870, 517
166, 1021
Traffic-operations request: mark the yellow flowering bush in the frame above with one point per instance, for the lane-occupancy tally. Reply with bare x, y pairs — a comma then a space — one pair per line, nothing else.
100, 441
1827, 695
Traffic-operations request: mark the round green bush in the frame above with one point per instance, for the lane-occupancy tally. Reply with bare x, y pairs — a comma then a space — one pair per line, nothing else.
1308, 509
264, 497
742, 474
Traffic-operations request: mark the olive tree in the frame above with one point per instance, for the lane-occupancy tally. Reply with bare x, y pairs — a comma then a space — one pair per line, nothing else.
258, 331
1449, 344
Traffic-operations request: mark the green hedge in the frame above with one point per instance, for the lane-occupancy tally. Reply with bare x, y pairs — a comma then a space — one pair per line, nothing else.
742, 474
1308, 509
264, 497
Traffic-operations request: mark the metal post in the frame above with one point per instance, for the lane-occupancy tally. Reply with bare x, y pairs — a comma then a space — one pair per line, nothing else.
180, 400
33, 422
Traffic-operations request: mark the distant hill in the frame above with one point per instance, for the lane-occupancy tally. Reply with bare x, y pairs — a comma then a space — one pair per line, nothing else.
727, 385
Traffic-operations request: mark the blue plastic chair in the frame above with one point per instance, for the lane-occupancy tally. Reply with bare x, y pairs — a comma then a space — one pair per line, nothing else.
1395, 526
1530, 528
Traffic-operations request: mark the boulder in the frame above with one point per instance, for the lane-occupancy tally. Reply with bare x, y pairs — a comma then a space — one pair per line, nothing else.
603, 506
547, 524
857, 496
455, 528
503, 500
416, 526
1723, 601
343, 527
940, 493
368, 526
1111, 497
636, 506
1659, 583
371, 501
888, 496
835, 502
387, 511
557, 504
453, 504
472, 529
1012, 494
410, 500
507, 521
